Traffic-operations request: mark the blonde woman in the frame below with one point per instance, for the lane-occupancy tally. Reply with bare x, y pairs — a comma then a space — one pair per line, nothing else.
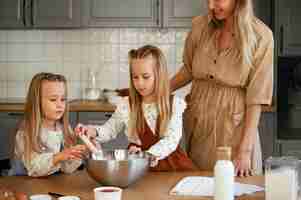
228, 58
44, 142
152, 119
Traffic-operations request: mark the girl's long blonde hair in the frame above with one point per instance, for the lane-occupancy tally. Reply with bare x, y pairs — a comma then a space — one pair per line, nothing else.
33, 115
161, 90
243, 27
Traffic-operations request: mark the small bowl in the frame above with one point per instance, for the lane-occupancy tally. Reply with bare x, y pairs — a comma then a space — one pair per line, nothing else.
69, 198
111, 96
40, 197
116, 170
92, 94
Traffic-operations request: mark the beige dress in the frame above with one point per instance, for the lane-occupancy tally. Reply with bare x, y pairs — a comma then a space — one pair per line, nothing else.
221, 90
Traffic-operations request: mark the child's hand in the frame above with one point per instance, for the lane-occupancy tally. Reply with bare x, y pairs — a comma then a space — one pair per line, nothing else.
89, 131
72, 153
153, 160
81, 148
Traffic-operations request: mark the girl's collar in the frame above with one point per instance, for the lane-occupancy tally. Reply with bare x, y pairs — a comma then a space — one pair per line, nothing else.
55, 128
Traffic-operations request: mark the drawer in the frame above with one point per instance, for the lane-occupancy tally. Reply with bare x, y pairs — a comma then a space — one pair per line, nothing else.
290, 148
94, 117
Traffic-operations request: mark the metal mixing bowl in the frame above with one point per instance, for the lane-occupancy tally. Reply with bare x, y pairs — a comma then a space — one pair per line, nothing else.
118, 167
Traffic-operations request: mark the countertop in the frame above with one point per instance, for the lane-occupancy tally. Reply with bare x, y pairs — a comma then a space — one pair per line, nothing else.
153, 186
77, 105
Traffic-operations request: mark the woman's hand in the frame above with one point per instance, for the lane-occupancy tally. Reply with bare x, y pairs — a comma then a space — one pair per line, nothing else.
242, 164
89, 131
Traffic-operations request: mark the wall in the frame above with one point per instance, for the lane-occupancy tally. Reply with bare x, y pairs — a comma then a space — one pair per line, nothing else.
24, 53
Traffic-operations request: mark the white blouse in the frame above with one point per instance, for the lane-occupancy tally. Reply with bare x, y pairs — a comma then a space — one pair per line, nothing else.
41, 164
120, 121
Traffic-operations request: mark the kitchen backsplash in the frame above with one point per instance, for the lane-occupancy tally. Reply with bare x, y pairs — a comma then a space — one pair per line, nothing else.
72, 53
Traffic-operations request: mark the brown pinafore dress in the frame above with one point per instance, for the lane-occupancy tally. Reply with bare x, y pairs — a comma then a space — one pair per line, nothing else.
176, 161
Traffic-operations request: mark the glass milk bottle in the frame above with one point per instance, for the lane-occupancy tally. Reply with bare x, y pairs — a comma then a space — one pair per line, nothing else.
223, 175
281, 178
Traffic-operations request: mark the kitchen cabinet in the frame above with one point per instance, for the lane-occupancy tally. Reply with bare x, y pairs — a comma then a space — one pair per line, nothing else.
179, 13
125, 13
141, 13
263, 10
8, 127
12, 13
290, 148
267, 132
40, 13
288, 27
99, 118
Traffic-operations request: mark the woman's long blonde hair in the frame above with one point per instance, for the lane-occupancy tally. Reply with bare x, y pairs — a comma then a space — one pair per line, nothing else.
33, 115
161, 90
243, 27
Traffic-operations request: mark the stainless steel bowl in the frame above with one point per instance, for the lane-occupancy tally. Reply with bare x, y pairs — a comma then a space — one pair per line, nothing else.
118, 168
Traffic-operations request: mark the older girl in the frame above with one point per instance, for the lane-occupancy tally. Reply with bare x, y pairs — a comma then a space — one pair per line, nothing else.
151, 117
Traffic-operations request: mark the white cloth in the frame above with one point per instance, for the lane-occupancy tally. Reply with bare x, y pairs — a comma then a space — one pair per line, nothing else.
204, 186
41, 164
120, 121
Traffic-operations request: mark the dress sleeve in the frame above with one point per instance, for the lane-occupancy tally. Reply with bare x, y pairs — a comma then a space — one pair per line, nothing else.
171, 140
115, 124
260, 87
41, 164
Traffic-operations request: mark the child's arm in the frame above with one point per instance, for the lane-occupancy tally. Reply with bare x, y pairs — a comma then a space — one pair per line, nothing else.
170, 141
41, 164
46, 163
109, 130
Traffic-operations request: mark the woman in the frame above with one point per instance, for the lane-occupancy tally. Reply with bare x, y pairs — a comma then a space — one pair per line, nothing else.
228, 58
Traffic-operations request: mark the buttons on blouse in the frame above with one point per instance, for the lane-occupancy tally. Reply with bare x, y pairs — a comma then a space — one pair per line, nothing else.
210, 76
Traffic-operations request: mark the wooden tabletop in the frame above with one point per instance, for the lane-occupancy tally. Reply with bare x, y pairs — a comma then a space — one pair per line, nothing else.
87, 106
153, 186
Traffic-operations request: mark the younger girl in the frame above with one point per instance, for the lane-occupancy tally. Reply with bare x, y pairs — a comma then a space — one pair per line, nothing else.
44, 142
151, 117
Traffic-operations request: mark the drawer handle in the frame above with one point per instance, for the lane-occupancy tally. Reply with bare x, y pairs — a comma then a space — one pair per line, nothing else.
15, 114
108, 115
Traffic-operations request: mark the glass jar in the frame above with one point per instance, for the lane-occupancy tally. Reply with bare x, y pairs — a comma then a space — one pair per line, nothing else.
281, 178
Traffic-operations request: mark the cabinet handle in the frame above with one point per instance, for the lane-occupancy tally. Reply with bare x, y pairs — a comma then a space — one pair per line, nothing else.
24, 12
32, 12
158, 12
15, 114
108, 115
281, 39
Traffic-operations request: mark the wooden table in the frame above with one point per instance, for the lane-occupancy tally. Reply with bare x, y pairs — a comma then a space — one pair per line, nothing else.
154, 186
